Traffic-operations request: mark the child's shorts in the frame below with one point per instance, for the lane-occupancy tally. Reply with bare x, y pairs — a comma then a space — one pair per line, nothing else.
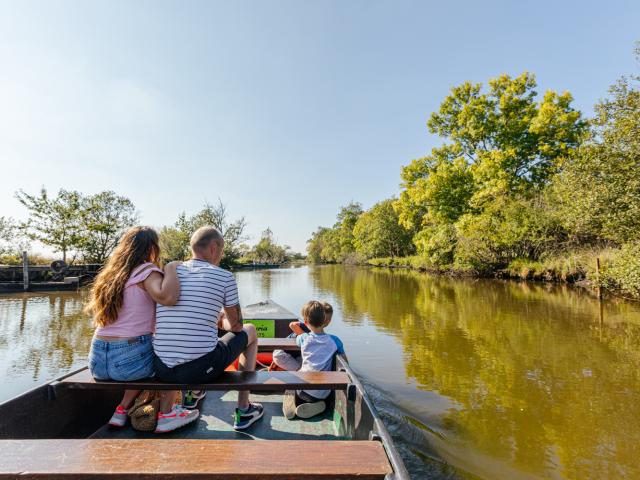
304, 397
121, 360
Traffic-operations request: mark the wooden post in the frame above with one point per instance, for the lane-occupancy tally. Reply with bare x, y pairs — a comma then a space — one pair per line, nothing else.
25, 271
598, 278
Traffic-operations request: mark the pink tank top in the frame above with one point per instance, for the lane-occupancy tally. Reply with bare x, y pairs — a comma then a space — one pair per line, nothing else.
137, 314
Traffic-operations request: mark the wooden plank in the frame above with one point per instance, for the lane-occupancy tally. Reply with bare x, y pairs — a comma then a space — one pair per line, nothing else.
255, 381
270, 344
191, 459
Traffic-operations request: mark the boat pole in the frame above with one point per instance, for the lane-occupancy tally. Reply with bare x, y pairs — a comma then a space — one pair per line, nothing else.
25, 271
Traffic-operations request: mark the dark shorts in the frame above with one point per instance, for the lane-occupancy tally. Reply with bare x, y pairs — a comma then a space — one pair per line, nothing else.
208, 367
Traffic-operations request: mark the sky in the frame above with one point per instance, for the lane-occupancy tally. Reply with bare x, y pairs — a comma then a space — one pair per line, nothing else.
284, 110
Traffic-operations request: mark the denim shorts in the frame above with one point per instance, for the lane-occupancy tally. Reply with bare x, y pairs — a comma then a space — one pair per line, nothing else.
121, 360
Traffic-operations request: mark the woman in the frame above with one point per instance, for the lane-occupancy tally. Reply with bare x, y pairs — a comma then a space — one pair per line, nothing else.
123, 304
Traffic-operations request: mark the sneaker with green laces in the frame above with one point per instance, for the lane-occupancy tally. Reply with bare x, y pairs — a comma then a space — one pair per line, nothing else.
243, 419
191, 398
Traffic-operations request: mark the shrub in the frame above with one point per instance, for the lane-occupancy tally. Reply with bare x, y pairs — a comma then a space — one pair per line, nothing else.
623, 271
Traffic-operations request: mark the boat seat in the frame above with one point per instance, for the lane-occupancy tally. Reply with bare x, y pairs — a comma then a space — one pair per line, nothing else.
255, 381
271, 344
193, 459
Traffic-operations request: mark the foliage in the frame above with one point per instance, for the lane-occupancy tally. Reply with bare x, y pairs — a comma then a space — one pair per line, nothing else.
378, 233
87, 225
7, 235
174, 241
105, 216
54, 221
337, 243
506, 229
598, 189
267, 250
504, 147
623, 273
437, 244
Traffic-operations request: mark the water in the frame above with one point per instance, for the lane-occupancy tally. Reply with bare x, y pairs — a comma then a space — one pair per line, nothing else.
474, 378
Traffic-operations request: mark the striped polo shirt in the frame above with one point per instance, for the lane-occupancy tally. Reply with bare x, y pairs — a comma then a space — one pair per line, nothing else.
189, 329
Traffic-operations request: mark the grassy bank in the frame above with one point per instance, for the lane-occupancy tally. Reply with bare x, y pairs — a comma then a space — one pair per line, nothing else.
619, 268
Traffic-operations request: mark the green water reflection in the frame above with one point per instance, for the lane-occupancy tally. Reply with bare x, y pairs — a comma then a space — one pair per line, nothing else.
539, 381
41, 335
499, 379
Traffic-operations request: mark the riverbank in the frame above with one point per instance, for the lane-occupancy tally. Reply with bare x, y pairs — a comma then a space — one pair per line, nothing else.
619, 270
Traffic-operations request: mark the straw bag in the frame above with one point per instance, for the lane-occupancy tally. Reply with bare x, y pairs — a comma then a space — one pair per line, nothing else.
144, 412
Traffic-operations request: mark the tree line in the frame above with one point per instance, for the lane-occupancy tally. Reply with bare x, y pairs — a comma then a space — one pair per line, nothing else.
522, 183
87, 228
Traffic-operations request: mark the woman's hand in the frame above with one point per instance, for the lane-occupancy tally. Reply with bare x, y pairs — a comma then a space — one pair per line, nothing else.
164, 289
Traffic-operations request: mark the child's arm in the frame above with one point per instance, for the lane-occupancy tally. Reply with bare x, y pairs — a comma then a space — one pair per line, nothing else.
339, 347
164, 289
296, 328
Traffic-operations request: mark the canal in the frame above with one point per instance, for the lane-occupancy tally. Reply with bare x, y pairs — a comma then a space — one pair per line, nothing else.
474, 378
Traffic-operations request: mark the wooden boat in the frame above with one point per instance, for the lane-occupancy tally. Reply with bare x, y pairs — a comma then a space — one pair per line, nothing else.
58, 430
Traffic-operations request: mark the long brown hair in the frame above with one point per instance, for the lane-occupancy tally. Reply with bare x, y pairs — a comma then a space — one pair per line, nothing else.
137, 246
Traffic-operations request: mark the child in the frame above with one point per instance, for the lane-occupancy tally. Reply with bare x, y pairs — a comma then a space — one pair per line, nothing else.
287, 361
317, 349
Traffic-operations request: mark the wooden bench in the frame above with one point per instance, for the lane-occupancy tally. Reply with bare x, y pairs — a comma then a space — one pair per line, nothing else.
254, 381
271, 344
193, 459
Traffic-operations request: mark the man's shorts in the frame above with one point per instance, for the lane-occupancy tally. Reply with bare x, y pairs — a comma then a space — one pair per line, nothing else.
208, 367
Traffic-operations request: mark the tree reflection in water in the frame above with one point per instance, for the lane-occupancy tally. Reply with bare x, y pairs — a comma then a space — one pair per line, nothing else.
539, 381
41, 335
505, 380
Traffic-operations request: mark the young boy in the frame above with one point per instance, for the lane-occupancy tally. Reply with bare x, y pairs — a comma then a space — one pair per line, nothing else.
287, 361
317, 349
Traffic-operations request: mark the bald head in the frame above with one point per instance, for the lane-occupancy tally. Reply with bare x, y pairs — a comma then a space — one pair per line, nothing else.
207, 242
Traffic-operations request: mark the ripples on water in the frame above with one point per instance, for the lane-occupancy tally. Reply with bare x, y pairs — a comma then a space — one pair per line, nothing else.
475, 379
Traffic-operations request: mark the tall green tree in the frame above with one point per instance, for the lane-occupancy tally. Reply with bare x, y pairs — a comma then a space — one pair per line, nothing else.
378, 233
174, 241
105, 216
342, 241
267, 250
54, 221
502, 144
598, 189
317, 244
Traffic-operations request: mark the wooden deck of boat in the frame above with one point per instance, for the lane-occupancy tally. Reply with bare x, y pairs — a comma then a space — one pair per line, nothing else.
193, 459
215, 422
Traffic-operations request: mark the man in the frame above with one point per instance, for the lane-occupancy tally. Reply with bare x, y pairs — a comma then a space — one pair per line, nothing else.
186, 341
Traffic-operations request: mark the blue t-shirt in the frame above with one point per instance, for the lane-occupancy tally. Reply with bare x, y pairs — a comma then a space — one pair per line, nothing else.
317, 351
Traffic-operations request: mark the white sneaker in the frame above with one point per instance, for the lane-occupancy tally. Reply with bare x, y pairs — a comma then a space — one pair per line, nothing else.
176, 418
289, 404
119, 417
308, 410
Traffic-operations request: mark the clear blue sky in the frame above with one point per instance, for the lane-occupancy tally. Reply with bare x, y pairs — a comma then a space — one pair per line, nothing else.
283, 109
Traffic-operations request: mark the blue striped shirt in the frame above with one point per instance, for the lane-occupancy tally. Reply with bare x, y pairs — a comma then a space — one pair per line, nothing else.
189, 329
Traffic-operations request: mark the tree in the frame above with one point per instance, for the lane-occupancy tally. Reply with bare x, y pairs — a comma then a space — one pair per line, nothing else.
176, 239
598, 189
105, 216
341, 242
317, 244
267, 250
55, 222
7, 235
377, 233
504, 145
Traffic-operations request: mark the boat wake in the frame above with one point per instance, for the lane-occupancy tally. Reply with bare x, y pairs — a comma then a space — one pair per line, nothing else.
413, 439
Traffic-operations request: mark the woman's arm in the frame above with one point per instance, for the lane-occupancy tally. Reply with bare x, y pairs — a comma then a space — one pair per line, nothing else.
164, 289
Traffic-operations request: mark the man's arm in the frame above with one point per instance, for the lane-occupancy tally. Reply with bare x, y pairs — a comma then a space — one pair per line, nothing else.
232, 319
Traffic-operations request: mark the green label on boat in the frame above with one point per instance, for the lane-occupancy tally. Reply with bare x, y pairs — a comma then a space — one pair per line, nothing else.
265, 328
